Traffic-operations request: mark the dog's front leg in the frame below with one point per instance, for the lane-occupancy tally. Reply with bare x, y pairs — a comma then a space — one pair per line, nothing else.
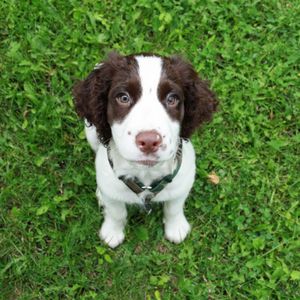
112, 229
176, 225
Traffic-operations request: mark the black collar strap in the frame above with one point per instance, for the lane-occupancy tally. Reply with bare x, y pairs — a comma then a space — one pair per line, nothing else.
156, 186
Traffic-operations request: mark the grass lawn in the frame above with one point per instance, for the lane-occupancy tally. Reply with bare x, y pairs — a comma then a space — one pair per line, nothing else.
245, 239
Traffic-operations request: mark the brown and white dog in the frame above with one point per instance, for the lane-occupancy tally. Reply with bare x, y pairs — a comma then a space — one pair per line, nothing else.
139, 112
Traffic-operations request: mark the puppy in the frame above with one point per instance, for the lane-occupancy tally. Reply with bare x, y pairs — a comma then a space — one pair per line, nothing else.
140, 111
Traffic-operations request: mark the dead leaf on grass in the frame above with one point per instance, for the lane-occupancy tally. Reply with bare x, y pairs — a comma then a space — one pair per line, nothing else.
213, 178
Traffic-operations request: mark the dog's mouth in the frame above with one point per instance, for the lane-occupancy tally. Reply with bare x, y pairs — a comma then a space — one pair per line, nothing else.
148, 162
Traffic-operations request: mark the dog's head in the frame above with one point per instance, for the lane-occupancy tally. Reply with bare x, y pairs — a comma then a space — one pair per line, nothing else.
145, 103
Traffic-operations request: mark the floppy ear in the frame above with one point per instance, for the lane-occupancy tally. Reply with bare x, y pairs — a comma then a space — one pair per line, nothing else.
91, 97
200, 101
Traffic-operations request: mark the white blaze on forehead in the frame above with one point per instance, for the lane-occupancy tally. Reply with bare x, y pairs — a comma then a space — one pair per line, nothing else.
150, 68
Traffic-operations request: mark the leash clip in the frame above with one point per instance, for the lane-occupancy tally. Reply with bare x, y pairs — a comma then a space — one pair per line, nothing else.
147, 204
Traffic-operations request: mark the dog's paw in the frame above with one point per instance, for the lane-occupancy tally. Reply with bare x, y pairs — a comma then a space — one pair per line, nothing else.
177, 230
111, 235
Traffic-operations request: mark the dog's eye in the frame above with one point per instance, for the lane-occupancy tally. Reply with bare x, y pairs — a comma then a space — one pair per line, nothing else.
172, 100
123, 98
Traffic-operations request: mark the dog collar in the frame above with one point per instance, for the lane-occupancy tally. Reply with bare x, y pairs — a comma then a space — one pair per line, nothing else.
136, 186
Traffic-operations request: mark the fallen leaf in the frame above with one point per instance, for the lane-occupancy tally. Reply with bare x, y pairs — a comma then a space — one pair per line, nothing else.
213, 178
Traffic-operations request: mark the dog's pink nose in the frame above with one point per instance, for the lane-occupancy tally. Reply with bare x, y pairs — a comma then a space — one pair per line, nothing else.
148, 141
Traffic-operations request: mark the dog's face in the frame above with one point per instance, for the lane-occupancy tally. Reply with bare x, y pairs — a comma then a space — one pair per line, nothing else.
145, 103
145, 112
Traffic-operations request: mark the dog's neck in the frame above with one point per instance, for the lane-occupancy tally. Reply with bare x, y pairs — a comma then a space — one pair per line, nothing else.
146, 174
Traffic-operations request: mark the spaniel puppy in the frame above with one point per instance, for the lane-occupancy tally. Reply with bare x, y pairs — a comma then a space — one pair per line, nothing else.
140, 111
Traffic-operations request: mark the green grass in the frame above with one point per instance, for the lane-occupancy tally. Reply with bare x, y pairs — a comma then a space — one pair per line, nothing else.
245, 238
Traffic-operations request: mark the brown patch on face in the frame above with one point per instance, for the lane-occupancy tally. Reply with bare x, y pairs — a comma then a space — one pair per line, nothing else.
169, 88
198, 103
125, 81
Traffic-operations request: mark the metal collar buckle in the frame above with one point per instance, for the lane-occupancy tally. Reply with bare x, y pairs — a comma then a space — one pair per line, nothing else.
147, 187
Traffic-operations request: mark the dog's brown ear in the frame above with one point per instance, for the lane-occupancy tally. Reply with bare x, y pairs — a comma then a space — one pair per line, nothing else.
91, 101
200, 101
91, 96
